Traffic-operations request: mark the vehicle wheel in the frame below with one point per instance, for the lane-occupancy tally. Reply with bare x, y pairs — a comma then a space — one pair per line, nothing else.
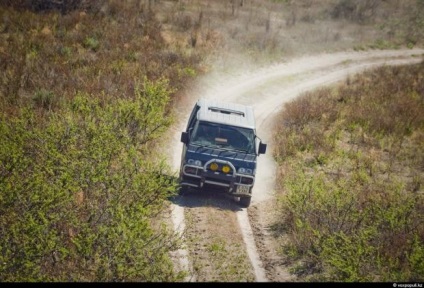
183, 190
245, 201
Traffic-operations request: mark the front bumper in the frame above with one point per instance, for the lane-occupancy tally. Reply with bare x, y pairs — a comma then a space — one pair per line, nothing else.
232, 183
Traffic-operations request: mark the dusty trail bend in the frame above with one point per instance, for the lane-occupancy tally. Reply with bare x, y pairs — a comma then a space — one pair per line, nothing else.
267, 89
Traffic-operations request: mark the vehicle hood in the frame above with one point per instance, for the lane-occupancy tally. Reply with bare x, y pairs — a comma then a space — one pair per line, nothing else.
237, 158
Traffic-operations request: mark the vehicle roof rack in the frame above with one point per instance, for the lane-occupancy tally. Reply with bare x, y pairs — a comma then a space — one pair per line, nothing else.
226, 111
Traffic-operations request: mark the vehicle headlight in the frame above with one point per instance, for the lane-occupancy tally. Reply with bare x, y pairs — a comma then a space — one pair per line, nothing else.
194, 162
213, 166
226, 169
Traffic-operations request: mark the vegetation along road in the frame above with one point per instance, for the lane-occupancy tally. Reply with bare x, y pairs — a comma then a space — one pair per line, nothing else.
94, 96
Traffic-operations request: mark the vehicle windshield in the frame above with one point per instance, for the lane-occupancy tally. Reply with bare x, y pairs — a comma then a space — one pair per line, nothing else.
224, 136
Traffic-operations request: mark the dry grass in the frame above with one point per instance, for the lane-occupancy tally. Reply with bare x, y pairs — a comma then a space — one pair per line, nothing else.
264, 31
102, 49
48, 57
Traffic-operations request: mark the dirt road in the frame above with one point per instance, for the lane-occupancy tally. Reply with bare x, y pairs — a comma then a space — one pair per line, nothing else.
214, 225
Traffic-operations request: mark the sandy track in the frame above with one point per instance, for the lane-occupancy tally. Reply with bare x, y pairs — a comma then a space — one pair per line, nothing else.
267, 89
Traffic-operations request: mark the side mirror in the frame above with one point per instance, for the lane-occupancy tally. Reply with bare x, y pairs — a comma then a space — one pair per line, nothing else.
184, 137
262, 148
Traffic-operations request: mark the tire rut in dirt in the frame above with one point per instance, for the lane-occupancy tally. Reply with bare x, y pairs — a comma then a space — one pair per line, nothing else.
214, 240
262, 217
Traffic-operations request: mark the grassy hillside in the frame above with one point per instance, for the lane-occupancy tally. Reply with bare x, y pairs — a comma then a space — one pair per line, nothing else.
351, 176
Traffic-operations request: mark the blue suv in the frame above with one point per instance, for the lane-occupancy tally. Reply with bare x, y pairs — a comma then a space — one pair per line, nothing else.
220, 150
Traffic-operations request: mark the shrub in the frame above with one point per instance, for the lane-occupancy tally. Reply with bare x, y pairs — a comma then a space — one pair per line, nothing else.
91, 43
357, 215
81, 190
350, 230
44, 99
303, 123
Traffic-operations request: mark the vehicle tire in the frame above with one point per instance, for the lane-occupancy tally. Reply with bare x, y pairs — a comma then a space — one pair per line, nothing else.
183, 190
245, 201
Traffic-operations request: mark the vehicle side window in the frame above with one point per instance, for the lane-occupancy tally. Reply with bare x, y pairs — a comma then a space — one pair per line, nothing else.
192, 118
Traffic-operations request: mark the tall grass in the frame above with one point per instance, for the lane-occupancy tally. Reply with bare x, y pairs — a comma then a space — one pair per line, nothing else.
351, 178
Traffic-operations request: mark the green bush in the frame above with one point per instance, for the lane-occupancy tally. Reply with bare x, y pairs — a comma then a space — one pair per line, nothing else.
80, 191
91, 43
351, 230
